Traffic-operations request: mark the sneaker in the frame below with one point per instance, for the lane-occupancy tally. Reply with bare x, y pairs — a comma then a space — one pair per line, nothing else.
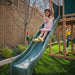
67, 48
41, 39
36, 40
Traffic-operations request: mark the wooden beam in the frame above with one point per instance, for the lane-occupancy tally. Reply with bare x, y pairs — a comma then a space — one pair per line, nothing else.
64, 31
59, 37
71, 52
59, 10
57, 52
69, 15
63, 9
64, 57
55, 43
67, 19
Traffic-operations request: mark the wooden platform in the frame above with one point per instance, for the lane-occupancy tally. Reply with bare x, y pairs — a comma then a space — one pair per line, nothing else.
70, 18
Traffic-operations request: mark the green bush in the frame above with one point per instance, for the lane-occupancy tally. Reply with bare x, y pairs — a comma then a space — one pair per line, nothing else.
16, 51
6, 52
53, 38
21, 47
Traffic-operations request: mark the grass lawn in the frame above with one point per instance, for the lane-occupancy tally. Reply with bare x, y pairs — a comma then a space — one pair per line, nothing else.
49, 65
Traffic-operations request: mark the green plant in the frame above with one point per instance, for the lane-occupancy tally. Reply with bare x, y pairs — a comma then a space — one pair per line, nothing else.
27, 37
53, 38
55, 66
6, 52
21, 47
16, 51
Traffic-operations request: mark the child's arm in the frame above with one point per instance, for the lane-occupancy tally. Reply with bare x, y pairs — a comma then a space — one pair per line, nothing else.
39, 11
68, 26
62, 27
51, 8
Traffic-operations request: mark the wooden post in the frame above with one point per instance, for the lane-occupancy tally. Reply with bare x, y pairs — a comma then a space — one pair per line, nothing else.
59, 37
50, 46
59, 10
64, 32
59, 28
72, 38
63, 9
64, 38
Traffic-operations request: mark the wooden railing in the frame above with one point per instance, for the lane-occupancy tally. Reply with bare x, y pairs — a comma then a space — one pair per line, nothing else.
70, 15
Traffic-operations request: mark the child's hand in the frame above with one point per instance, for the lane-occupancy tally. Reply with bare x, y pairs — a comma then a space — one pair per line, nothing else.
50, 5
36, 8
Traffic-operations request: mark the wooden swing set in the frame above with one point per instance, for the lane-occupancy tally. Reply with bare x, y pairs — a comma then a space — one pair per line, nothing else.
69, 19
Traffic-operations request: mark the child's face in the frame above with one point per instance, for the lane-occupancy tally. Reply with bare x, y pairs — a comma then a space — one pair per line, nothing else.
47, 13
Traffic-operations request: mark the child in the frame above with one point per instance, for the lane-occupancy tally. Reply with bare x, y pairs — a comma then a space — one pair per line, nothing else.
68, 35
48, 23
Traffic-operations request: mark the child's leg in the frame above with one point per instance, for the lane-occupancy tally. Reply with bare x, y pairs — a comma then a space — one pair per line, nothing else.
67, 42
41, 34
45, 34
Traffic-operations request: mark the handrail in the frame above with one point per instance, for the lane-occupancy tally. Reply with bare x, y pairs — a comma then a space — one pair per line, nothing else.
67, 15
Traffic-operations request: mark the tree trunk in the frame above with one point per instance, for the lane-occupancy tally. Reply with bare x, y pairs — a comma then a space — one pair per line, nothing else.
25, 35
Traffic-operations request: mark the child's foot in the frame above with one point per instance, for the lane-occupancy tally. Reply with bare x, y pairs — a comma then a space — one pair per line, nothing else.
36, 40
67, 48
41, 39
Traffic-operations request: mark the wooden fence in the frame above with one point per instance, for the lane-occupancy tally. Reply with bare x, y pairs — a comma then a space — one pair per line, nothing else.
12, 25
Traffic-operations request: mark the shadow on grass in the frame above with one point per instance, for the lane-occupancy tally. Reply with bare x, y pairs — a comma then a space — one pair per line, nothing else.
52, 74
68, 67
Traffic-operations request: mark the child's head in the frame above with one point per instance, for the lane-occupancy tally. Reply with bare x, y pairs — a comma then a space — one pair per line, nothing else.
47, 12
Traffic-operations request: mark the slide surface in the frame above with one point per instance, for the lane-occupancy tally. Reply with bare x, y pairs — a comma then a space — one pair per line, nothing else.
24, 63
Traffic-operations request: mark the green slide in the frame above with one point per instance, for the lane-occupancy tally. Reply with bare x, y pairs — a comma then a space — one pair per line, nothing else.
24, 63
